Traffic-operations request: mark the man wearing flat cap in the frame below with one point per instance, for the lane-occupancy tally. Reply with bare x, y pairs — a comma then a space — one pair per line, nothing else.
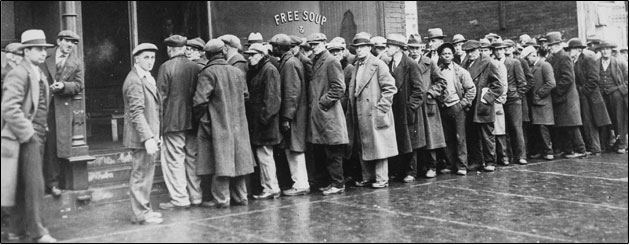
230, 51
435, 39
592, 106
566, 135
24, 122
176, 81
328, 131
142, 131
14, 57
480, 120
194, 51
65, 75
407, 111
306, 62
614, 85
225, 150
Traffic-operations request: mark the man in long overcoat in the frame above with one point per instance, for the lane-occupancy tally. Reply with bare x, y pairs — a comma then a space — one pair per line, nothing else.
614, 84
230, 51
65, 75
406, 107
566, 135
592, 106
529, 77
327, 131
541, 106
371, 127
480, 119
224, 144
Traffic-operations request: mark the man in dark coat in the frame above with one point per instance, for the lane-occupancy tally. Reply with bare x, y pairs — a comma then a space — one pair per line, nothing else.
263, 106
510, 51
328, 131
567, 139
176, 81
480, 119
408, 120
224, 145
614, 85
230, 51
592, 106
194, 51
65, 75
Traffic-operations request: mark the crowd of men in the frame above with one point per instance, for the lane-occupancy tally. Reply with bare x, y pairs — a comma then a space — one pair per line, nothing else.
389, 110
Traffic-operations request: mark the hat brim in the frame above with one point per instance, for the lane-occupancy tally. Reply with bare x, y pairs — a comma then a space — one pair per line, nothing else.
416, 45
459, 41
555, 42
251, 52
45, 45
442, 37
572, 47
362, 44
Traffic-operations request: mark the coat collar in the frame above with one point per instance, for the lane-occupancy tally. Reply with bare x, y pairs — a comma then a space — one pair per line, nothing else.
152, 88
319, 60
424, 63
478, 66
285, 57
371, 65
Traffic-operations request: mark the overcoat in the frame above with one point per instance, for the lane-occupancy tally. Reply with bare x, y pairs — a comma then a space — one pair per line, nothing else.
238, 61
263, 106
529, 77
499, 118
176, 82
587, 81
327, 121
223, 136
371, 94
142, 111
433, 84
541, 104
71, 75
294, 102
484, 75
566, 101
407, 105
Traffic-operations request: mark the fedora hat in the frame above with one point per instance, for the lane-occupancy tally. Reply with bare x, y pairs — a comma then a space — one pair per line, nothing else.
255, 37
574, 43
34, 38
527, 51
361, 39
414, 40
606, 44
484, 43
378, 41
554, 37
396, 39
458, 38
435, 33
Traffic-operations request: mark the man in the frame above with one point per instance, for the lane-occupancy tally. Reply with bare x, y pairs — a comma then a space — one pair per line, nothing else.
307, 64
541, 103
524, 39
306, 49
328, 130
372, 127
592, 106
230, 51
24, 119
414, 46
176, 82
194, 51
224, 145
142, 131
480, 120
513, 105
567, 139
614, 85
64, 71
14, 57
491, 37
624, 53
378, 49
262, 108
460, 54
529, 78
435, 39
346, 52
408, 121
456, 99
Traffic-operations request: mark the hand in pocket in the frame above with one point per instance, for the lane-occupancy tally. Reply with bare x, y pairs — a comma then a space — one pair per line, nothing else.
381, 120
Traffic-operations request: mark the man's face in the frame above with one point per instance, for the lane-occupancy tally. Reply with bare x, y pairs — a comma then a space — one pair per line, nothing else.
379, 50
254, 58
146, 60
66, 45
473, 54
435, 43
192, 53
509, 50
317, 47
447, 55
35, 55
363, 51
606, 52
392, 49
531, 58
414, 52
485, 51
574, 52
458, 47
337, 53
499, 53
555, 48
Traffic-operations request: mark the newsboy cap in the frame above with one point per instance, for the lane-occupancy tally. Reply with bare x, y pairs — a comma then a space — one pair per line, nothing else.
340, 40
335, 45
144, 47
13, 48
295, 40
231, 40
175, 41
396, 39
317, 38
256, 48
214, 46
362, 39
471, 45
197, 43
280, 39
69, 35
509, 43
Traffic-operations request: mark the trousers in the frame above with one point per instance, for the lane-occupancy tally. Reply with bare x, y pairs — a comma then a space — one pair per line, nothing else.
141, 182
179, 164
268, 178
225, 187
297, 165
454, 124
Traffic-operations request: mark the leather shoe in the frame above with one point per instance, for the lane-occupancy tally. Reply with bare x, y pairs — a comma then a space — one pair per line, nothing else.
536, 156
461, 172
430, 173
407, 179
379, 185
322, 189
296, 192
549, 157
267, 195
46, 239
333, 190
575, 155
213, 204
363, 183
446, 171
621, 151
55, 191
522, 162
168, 205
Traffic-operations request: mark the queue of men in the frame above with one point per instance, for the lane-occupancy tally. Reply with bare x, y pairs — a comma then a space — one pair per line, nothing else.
218, 120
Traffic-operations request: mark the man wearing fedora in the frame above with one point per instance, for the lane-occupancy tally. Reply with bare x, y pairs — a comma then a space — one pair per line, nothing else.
566, 135
406, 108
64, 71
371, 124
592, 106
24, 125
414, 46
460, 55
378, 49
194, 51
614, 85
435, 39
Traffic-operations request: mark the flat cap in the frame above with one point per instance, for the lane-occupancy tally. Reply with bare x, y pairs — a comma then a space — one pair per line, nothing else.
470, 45
527, 51
295, 40
231, 40
197, 43
214, 46
304, 43
68, 34
175, 41
144, 47
335, 45
339, 40
256, 48
378, 41
280, 39
396, 39
13, 48
492, 35
317, 38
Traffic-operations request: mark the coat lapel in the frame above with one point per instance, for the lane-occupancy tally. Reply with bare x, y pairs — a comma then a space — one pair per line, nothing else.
425, 64
51, 64
368, 73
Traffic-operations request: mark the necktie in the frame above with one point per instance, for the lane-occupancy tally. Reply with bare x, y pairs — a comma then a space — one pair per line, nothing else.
394, 65
60, 61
